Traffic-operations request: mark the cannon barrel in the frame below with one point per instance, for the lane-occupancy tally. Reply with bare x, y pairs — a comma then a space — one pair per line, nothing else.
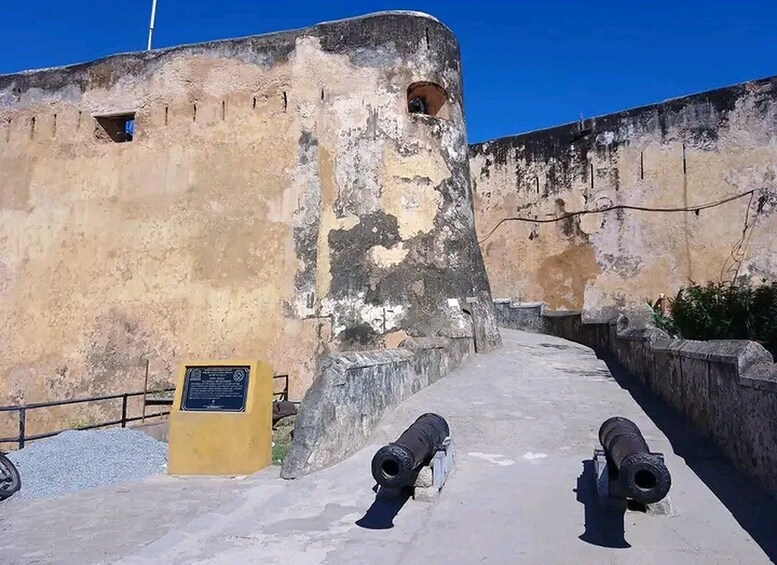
642, 474
395, 465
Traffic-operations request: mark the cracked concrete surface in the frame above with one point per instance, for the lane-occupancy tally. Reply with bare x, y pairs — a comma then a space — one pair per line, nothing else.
525, 420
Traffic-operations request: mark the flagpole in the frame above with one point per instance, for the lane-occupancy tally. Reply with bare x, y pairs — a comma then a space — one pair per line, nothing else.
151, 25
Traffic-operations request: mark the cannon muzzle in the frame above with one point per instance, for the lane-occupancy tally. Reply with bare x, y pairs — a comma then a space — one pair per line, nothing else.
643, 476
396, 464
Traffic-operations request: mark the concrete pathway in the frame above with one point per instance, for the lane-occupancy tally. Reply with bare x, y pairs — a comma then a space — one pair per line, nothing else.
525, 420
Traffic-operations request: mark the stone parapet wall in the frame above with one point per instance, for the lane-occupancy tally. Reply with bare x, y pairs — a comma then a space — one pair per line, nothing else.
354, 390
726, 388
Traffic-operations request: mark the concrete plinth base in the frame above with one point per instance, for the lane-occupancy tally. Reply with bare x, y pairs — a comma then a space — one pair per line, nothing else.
432, 477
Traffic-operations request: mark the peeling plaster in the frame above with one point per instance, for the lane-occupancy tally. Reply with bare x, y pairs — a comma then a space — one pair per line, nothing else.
617, 259
240, 220
388, 257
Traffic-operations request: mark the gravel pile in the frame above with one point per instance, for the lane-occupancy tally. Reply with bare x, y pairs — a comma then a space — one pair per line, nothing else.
79, 460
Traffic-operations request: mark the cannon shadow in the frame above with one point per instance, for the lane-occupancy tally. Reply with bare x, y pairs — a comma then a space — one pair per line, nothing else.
753, 507
380, 515
604, 525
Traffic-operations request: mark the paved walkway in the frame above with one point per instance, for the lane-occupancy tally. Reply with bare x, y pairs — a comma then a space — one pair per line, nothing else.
525, 420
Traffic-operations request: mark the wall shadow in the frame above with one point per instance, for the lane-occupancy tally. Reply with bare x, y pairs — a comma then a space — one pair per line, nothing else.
752, 506
604, 525
380, 515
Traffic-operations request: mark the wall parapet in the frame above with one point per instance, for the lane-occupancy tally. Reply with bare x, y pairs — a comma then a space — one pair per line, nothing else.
726, 388
354, 390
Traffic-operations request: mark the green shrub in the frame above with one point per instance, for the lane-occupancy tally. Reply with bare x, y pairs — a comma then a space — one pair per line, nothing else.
279, 452
662, 322
727, 311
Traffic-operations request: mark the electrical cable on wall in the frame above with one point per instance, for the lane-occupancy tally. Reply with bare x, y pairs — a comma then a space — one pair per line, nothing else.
739, 250
618, 207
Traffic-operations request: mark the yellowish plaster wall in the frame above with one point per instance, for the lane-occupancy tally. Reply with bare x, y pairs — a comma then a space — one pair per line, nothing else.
196, 239
158, 249
615, 260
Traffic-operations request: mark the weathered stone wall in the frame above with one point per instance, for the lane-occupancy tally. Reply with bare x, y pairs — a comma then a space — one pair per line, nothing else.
684, 152
726, 388
277, 201
355, 390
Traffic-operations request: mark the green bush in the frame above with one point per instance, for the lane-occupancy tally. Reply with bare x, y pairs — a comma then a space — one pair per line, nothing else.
724, 311
662, 322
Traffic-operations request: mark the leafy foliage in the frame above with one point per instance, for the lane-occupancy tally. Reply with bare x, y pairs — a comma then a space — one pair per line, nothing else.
662, 322
724, 311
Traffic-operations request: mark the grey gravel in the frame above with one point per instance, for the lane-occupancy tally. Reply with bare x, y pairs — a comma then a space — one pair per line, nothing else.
80, 460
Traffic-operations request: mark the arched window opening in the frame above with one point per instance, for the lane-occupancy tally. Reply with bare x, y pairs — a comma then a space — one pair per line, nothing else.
427, 98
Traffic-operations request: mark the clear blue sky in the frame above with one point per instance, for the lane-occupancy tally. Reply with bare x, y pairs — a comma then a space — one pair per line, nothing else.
527, 64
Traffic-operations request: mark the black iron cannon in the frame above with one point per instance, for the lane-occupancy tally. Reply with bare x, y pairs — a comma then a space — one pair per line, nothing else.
10, 483
642, 475
397, 464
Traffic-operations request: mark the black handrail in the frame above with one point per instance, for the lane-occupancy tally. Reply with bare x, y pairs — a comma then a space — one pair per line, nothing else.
22, 409
284, 394
80, 400
277, 396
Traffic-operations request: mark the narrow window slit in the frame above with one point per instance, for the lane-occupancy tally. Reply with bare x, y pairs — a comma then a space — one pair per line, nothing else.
119, 128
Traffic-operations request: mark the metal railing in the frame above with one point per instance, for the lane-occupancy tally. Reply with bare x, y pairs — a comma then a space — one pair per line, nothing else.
283, 394
277, 396
22, 410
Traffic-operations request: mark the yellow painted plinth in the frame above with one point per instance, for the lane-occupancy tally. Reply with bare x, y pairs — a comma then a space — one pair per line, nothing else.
218, 442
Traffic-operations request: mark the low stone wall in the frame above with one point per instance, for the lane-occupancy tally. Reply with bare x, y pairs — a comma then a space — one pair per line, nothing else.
726, 388
526, 316
354, 390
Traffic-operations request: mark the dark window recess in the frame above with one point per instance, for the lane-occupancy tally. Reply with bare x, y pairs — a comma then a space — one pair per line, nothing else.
427, 98
118, 128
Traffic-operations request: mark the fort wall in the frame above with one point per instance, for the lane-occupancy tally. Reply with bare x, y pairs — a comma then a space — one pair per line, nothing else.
276, 200
680, 154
